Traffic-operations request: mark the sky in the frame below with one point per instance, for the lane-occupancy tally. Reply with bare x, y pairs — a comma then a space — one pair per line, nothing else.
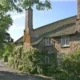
60, 9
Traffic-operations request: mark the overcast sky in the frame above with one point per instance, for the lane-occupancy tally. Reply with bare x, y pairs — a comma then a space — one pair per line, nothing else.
60, 9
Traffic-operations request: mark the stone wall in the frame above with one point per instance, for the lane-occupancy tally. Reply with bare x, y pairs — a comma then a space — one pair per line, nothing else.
74, 43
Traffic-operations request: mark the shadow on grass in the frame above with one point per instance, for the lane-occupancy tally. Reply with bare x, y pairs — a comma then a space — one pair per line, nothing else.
5, 75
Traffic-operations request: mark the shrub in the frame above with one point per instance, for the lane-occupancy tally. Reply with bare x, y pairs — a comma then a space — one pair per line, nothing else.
6, 51
69, 69
30, 61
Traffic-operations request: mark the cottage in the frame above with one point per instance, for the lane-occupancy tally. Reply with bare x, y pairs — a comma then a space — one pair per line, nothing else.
62, 36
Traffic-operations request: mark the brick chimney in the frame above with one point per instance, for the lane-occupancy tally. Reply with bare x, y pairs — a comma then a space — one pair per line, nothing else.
28, 32
78, 16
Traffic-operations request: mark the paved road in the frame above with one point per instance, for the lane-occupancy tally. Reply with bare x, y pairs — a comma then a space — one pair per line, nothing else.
9, 74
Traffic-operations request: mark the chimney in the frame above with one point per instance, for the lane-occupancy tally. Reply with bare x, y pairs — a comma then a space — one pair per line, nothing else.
78, 16
28, 32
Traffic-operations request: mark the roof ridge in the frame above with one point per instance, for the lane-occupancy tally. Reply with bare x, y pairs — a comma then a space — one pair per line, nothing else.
54, 22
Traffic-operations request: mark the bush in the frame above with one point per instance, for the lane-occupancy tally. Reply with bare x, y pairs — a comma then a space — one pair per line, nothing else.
11, 61
69, 68
6, 51
25, 60
30, 61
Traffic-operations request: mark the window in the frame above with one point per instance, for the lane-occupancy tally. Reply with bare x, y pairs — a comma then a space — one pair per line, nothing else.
65, 41
47, 42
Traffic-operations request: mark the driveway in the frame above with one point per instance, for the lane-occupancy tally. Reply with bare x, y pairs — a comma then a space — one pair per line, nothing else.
9, 74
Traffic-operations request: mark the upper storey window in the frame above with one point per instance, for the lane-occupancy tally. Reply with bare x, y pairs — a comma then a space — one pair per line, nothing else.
47, 42
65, 41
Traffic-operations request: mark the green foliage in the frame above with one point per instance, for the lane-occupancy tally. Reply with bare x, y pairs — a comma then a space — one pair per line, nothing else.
5, 22
11, 61
25, 60
14, 58
69, 69
6, 50
10, 5
16, 5
31, 61
48, 68
40, 5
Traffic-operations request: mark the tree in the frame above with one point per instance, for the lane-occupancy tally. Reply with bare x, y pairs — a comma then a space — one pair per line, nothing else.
24, 4
16, 5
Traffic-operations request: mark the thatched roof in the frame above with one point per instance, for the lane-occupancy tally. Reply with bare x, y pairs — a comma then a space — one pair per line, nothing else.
67, 28
56, 29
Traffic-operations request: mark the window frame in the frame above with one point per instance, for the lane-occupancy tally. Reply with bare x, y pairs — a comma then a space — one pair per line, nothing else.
65, 40
47, 42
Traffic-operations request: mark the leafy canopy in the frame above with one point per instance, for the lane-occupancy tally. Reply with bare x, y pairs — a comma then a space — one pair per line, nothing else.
16, 5
24, 4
